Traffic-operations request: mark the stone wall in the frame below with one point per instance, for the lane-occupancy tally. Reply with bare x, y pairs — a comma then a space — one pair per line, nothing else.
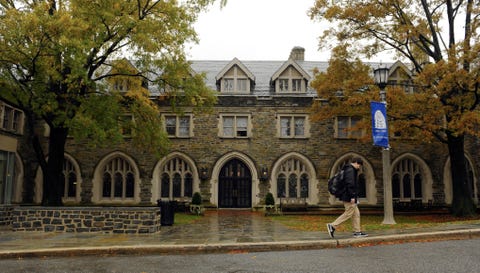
128, 220
5, 215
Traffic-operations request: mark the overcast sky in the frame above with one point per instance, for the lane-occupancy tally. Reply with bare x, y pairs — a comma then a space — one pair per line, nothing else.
257, 30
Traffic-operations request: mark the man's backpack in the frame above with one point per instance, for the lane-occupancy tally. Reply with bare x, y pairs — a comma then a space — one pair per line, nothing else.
336, 184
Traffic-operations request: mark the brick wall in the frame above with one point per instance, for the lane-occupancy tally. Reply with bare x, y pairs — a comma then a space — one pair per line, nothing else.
129, 220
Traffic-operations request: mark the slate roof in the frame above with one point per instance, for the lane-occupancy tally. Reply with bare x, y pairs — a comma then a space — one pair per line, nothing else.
262, 70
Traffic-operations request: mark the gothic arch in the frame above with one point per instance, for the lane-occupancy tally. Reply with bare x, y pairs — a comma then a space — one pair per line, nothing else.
367, 170
157, 173
98, 180
447, 178
216, 172
18, 184
38, 189
309, 170
427, 180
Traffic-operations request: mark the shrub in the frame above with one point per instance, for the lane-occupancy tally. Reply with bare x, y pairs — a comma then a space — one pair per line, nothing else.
197, 199
269, 200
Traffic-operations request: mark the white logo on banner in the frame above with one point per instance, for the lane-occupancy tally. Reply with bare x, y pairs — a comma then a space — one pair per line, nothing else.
380, 122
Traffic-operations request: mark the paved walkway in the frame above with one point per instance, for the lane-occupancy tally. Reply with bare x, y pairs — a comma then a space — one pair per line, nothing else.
217, 231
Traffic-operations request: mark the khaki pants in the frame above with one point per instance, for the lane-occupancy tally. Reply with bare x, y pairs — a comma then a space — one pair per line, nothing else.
351, 211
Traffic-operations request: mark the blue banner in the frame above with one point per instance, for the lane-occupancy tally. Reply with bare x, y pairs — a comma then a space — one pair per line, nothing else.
379, 124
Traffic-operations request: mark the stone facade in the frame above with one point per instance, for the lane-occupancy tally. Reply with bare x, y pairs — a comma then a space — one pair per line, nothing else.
267, 161
5, 215
86, 219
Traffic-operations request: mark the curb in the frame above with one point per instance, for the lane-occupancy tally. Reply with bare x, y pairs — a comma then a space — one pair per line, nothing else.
241, 247
463, 234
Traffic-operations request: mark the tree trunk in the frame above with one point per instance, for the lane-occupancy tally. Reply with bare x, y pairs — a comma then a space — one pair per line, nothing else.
53, 175
462, 203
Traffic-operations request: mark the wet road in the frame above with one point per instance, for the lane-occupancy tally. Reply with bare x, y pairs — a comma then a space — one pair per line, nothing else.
445, 256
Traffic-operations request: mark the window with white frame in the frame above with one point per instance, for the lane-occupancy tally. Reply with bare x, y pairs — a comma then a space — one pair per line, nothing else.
293, 126
176, 179
228, 85
235, 126
242, 85
296, 85
178, 126
118, 181
283, 85
345, 127
235, 80
12, 119
291, 81
236, 84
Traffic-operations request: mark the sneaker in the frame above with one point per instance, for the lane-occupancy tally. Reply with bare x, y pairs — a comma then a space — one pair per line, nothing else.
359, 234
331, 230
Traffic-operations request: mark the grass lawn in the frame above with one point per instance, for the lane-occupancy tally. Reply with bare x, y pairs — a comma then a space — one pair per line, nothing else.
372, 222
185, 218
369, 222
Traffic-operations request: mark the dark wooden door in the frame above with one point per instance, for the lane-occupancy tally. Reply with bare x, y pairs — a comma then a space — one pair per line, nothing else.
235, 185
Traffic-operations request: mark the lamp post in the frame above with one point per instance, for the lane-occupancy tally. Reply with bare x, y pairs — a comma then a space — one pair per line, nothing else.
381, 80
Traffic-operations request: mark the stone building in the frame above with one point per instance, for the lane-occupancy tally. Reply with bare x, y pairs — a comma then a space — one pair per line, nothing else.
258, 139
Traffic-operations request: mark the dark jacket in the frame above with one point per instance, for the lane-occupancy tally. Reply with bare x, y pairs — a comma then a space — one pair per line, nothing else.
351, 183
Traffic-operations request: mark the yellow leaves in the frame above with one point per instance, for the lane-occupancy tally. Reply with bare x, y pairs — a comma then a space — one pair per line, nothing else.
343, 89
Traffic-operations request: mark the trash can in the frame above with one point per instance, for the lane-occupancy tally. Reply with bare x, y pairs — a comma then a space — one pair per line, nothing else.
167, 212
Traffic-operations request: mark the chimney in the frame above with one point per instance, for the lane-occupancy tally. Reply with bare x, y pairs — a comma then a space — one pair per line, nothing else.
297, 54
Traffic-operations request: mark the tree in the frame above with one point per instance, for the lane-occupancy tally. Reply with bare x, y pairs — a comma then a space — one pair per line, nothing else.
61, 62
440, 41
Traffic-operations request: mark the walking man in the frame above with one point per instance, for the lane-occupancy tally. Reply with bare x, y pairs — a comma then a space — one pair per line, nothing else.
350, 200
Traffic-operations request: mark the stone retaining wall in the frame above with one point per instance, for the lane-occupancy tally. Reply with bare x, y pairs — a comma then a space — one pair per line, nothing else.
129, 220
5, 215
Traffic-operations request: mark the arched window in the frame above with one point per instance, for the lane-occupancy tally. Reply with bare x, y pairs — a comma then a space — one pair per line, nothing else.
177, 179
362, 186
188, 189
407, 180
292, 185
395, 186
304, 186
281, 186
165, 192
118, 180
298, 179
470, 180
69, 177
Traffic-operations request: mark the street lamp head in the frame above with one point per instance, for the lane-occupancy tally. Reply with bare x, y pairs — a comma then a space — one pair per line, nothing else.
381, 77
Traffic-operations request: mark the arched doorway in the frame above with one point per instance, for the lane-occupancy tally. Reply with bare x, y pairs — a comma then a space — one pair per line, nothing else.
235, 185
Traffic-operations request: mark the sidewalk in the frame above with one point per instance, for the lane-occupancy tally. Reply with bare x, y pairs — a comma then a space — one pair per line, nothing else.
218, 231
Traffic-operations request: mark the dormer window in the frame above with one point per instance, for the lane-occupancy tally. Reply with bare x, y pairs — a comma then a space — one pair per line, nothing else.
290, 78
120, 86
228, 85
242, 85
297, 85
235, 78
283, 85
400, 76
236, 81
